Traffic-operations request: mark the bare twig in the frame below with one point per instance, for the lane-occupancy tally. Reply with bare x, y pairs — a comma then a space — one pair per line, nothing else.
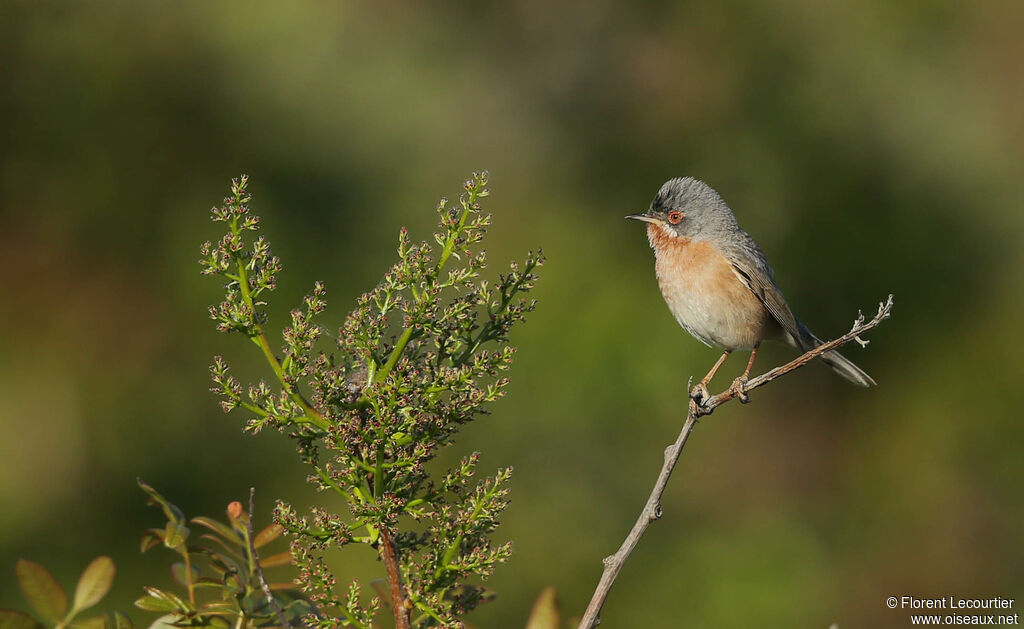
697, 409
390, 556
859, 327
256, 561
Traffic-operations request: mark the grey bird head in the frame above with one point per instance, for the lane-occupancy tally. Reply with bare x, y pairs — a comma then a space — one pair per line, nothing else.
689, 208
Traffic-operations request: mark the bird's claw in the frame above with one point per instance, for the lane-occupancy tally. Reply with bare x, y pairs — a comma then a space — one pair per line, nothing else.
700, 394
737, 389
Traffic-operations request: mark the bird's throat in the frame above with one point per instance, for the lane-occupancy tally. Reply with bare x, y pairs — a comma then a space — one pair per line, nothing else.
662, 237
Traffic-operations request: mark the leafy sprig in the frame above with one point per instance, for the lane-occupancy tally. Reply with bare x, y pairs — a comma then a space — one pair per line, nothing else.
250, 271
219, 571
420, 355
50, 602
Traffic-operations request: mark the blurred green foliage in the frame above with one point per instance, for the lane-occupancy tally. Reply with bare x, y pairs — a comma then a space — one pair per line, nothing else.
870, 148
221, 580
49, 600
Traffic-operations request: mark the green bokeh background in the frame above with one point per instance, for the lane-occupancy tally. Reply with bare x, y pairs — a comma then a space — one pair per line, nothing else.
870, 147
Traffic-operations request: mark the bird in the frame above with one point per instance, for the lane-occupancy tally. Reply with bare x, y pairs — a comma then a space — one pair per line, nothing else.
718, 284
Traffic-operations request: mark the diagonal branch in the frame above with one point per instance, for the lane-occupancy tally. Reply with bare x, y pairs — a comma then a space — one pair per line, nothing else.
652, 510
859, 326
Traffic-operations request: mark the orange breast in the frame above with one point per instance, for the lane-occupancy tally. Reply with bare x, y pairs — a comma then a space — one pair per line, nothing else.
705, 295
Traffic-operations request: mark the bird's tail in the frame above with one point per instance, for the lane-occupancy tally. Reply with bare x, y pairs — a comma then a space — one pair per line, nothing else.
839, 363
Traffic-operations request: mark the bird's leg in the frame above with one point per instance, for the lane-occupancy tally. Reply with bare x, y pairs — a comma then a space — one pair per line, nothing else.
738, 383
700, 392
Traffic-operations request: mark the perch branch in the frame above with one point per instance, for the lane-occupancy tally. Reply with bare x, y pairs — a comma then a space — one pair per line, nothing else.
256, 561
699, 408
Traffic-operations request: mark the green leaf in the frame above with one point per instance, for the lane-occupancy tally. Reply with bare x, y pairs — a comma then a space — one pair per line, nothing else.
96, 622
218, 562
151, 538
94, 583
220, 528
464, 590
10, 619
545, 611
160, 601
41, 590
175, 535
268, 535
216, 613
219, 607
117, 620
299, 608
235, 581
173, 513
280, 559
165, 622
180, 575
401, 438
230, 550
150, 604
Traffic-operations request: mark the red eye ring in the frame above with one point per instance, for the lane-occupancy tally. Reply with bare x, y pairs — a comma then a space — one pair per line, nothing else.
675, 217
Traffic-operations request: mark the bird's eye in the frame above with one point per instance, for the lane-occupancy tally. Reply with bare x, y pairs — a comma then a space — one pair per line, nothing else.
675, 216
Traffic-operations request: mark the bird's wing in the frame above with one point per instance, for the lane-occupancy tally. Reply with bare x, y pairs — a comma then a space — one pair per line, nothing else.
751, 266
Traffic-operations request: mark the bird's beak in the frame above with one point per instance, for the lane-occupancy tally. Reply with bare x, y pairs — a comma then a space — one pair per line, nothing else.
643, 217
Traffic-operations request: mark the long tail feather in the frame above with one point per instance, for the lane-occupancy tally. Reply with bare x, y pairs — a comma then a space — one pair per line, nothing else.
842, 366
839, 363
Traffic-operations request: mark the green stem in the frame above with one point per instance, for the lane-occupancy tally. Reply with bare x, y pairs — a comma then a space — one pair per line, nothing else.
449, 248
371, 369
248, 551
352, 620
333, 485
252, 408
260, 338
188, 579
427, 612
472, 347
383, 372
378, 472
506, 300
364, 490
366, 467
454, 548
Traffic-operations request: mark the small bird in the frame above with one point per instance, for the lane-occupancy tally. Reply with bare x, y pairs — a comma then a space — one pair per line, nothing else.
718, 284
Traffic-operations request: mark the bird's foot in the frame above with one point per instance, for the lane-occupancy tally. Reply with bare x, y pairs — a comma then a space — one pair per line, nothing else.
737, 388
700, 394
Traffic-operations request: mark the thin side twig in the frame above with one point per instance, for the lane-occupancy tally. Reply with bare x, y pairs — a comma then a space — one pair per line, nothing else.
652, 509
256, 560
